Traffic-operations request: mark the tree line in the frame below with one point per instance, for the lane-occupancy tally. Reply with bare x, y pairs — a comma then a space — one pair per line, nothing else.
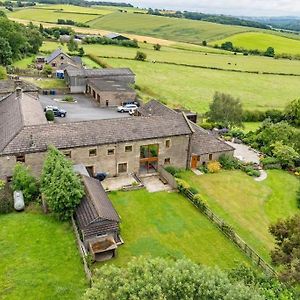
220, 19
17, 40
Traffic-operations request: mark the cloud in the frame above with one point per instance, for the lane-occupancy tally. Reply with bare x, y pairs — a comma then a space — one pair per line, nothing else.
234, 7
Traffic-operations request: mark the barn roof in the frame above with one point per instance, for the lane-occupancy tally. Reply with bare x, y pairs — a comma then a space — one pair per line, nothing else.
110, 85
114, 35
98, 73
95, 205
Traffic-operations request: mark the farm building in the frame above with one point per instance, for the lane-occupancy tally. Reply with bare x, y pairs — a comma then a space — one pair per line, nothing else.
77, 79
98, 221
109, 92
116, 36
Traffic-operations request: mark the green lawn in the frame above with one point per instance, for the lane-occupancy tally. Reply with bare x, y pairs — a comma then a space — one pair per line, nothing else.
39, 258
166, 224
261, 41
90, 63
249, 206
24, 63
46, 83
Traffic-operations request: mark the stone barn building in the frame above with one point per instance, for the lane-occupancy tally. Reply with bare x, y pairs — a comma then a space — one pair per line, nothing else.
110, 92
77, 79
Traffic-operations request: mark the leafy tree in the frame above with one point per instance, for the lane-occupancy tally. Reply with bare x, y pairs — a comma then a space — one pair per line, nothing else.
225, 110
204, 43
81, 52
285, 155
227, 46
24, 181
158, 278
72, 45
287, 251
270, 52
292, 112
61, 186
34, 39
141, 56
5, 52
157, 47
47, 70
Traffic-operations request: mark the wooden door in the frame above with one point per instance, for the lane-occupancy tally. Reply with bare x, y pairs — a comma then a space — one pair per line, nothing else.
194, 161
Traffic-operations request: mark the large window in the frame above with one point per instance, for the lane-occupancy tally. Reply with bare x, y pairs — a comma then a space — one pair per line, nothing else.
149, 158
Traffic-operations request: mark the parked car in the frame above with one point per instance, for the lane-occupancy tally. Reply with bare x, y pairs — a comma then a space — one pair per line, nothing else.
131, 102
58, 112
127, 108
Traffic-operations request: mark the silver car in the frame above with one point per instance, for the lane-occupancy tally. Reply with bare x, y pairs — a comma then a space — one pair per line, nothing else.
127, 108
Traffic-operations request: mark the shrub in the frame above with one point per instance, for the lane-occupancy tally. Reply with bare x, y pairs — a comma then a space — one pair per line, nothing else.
182, 185
208, 126
172, 170
6, 199
49, 115
298, 198
68, 99
141, 56
228, 162
213, 167
249, 170
228, 230
24, 181
47, 70
199, 202
203, 169
157, 47
193, 190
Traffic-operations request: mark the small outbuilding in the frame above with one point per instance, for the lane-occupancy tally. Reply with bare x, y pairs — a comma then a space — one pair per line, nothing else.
98, 221
117, 36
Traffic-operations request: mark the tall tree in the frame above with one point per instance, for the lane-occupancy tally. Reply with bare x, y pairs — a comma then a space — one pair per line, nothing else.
226, 110
60, 185
5, 52
287, 251
72, 45
292, 112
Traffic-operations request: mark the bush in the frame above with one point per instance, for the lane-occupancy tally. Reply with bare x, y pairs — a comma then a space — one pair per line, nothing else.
172, 170
49, 115
68, 99
47, 70
249, 170
213, 167
228, 162
24, 181
141, 56
6, 199
203, 169
298, 198
182, 185
208, 126
193, 190
199, 202
157, 47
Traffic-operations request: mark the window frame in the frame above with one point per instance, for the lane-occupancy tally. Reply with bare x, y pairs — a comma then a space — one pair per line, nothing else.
93, 150
130, 147
111, 150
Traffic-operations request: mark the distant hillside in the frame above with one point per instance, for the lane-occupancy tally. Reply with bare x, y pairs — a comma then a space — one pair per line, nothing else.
83, 3
219, 19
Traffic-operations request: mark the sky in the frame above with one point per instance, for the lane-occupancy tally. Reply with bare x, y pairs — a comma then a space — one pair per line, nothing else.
229, 7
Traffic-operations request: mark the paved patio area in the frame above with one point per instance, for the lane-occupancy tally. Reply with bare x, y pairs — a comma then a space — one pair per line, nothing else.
244, 153
117, 183
154, 184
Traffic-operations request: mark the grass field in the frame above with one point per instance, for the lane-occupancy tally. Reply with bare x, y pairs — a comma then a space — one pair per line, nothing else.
194, 88
46, 83
167, 28
247, 205
24, 63
261, 41
39, 258
48, 15
90, 63
167, 225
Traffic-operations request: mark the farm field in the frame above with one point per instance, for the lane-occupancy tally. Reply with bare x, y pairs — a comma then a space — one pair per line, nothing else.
250, 216
181, 30
32, 266
194, 88
261, 41
48, 15
166, 224
171, 54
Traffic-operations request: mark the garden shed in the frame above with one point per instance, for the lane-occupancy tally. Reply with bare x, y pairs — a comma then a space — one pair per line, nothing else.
98, 221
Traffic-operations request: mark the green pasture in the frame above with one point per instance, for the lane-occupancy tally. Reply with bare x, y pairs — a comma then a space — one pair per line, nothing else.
167, 28
46, 83
39, 258
261, 41
50, 16
249, 206
194, 88
167, 225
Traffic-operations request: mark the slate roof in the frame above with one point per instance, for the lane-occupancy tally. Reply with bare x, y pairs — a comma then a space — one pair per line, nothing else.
110, 85
203, 142
16, 113
95, 205
114, 35
97, 132
54, 54
8, 86
97, 73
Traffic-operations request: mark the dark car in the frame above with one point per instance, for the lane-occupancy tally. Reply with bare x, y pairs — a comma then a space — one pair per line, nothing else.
57, 111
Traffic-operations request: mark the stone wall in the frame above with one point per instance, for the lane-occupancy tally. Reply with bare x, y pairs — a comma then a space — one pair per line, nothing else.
103, 162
